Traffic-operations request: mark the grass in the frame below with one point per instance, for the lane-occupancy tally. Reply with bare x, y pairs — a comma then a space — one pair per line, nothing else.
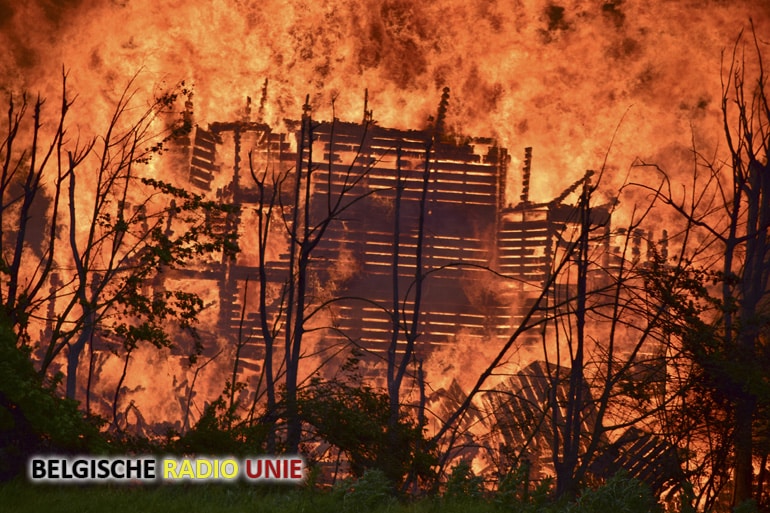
22, 497
369, 493
19, 496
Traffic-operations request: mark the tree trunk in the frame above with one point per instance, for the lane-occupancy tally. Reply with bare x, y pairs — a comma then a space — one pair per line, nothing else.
73, 357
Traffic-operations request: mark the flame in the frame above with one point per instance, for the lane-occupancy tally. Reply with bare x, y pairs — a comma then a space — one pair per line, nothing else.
560, 77
583, 83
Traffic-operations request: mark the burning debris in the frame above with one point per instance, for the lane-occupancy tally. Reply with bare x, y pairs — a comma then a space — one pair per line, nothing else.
523, 405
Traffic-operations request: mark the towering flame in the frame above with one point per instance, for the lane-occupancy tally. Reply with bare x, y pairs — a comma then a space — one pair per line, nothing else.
559, 76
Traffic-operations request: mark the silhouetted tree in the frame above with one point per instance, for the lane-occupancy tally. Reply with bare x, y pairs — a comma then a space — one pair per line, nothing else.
305, 206
104, 218
728, 208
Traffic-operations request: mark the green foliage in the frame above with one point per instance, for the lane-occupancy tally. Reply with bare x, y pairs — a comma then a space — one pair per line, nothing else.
369, 493
32, 416
683, 502
748, 506
462, 484
516, 490
147, 317
357, 420
371, 490
150, 316
217, 433
620, 494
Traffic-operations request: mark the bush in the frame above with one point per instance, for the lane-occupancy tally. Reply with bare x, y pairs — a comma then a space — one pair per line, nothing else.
356, 419
219, 432
620, 494
463, 484
371, 490
748, 506
516, 491
33, 418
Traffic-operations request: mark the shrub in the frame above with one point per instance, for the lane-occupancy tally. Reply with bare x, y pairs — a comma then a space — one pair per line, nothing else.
463, 484
370, 490
515, 490
357, 420
33, 417
620, 494
219, 432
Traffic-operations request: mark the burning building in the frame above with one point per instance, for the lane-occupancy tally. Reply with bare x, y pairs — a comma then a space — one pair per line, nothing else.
416, 229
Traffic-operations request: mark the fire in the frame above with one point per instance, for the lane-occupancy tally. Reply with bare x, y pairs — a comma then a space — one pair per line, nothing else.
556, 76
588, 85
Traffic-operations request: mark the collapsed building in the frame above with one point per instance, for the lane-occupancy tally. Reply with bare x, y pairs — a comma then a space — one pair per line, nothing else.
529, 406
427, 211
426, 227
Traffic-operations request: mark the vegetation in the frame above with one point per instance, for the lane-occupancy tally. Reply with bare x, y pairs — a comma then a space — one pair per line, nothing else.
33, 418
370, 493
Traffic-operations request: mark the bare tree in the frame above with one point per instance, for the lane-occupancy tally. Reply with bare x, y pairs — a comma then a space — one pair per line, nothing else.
318, 198
269, 186
119, 228
603, 315
728, 208
31, 190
